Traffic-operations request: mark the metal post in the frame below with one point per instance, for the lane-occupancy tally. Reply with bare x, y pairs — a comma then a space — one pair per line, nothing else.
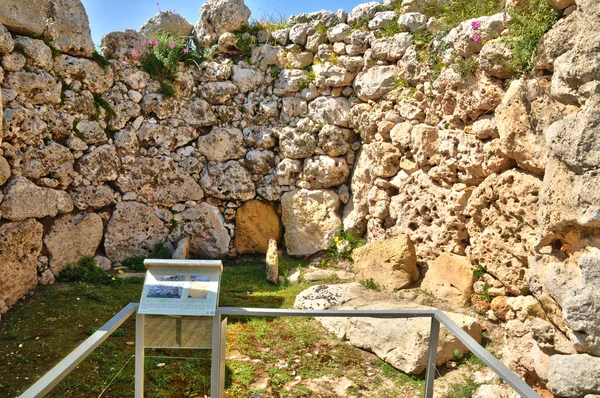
139, 355
434, 335
215, 365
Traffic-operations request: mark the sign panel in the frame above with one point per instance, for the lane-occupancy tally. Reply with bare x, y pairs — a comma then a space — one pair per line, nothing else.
181, 287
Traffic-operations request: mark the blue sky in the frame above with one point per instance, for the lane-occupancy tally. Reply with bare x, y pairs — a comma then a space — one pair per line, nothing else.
112, 15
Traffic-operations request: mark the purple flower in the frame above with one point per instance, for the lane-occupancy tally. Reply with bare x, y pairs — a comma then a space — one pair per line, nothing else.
144, 42
505, 16
172, 44
475, 25
186, 50
476, 37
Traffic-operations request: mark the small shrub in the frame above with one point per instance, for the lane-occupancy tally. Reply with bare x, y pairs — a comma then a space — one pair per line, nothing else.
527, 27
370, 284
275, 71
465, 67
160, 251
167, 89
321, 28
479, 271
343, 245
245, 41
135, 263
87, 271
100, 59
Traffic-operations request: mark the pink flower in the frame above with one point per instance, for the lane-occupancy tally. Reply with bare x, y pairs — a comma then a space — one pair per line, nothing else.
186, 50
505, 16
154, 42
134, 53
475, 25
144, 42
172, 44
476, 37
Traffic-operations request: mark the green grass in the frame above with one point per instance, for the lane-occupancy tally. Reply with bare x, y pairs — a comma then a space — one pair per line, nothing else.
525, 31
465, 389
465, 67
167, 89
370, 284
100, 59
452, 13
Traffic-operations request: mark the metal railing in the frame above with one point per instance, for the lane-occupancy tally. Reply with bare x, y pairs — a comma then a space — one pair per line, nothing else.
46, 383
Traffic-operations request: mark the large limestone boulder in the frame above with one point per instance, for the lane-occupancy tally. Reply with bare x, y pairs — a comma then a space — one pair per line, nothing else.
391, 263
403, 343
205, 226
523, 117
222, 144
325, 172
574, 375
23, 199
375, 82
166, 136
432, 215
160, 181
229, 180
20, 246
133, 230
391, 48
218, 17
4, 169
487, 28
51, 161
37, 87
102, 164
71, 238
296, 144
580, 65
568, 289
450, 278
255, 223
92, 196
119, 45
169, 22
503, 226
310, 219
63, 22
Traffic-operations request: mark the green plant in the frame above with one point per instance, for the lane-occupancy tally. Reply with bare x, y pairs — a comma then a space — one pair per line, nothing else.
527, 27
100, 59
344, 244
465, 67
75, 131
135, 263
167, 89
321, 28
389, 30
452, 13
245, 41
162, 55
370, 284
275, 69
88, 271
466, 389
479, 271
208, 54
333, 59
101, 103
485, 295
160, 251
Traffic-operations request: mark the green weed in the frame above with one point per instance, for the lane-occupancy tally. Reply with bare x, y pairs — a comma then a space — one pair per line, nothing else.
465, 67
88, 271
167, 89
344, 244
100, 59
370, 284
466, 389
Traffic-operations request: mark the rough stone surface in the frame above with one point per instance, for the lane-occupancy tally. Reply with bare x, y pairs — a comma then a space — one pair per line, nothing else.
310, 219
503, 226
272, 262
450, 278
256, 223
574, 375
169, 22
403, 343
375, 82
18, 262
133, 230
218, 17
67, 27
205, 226
391, 263
23, 199
229, 180
72, 238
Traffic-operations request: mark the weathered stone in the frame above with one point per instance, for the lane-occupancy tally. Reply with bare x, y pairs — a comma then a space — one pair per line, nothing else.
67, 27
93, 196
72, 238
256, 223
526, 112
197, 113
325, 172
37, 52
218, 17
486, 28
246, 79
295, 144
53, 161
102, 164
299, 33
95, 78
382, 19
375, 82
38, 87
391, 48
289, 81
310, 220
205, 226
450, 278
403, 343
168, 22
222, 144
166, 136
182, 251
338, 32
330, 110
23, 199
412, 21
327, 75
495, 59
24, 17
229, 180
218, 92
160, 181
503, 226
391, 263
4, 170
574, 375
259, 162
272, 262
132, 230
20, 246
363, 12
335, 141
119, 45
6, 41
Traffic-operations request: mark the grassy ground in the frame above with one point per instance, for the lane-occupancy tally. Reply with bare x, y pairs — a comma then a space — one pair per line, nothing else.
273, 357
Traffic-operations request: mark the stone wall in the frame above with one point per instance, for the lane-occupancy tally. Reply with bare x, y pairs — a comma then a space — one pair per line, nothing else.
326, 123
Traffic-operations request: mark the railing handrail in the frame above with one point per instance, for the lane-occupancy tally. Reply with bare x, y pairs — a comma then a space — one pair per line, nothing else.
58, 372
